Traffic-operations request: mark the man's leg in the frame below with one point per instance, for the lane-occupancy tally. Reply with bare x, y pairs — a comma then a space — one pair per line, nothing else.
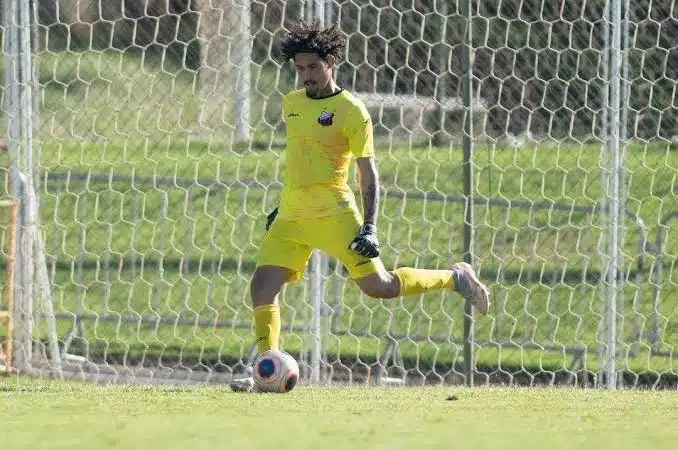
405, 281
280, 260
265, 287
374, 280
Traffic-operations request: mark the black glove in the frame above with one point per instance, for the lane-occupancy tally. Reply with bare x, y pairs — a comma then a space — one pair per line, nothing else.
366, 243
270, 218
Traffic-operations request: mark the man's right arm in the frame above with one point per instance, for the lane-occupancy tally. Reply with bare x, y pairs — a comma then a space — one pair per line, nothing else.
273, 214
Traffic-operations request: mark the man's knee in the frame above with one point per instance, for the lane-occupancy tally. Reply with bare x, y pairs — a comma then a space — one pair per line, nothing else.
266, 284
380, 284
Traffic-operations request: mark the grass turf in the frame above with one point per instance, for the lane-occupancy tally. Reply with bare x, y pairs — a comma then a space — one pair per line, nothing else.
53, 415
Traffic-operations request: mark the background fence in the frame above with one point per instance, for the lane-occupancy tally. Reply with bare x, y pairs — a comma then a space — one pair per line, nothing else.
144, 144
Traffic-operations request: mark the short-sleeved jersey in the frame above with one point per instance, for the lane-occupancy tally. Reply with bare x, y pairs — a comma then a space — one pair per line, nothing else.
323, 135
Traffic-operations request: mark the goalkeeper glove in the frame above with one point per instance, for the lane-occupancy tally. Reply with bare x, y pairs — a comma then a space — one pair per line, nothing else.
270, 218
366, 243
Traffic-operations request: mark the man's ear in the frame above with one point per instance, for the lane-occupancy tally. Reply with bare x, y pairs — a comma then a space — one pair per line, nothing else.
330, 61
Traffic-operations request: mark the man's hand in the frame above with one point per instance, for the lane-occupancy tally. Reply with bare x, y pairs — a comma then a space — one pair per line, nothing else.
366, 243
270, 218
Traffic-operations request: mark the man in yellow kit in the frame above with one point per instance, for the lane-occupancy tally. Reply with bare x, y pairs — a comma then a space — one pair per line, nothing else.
326, 127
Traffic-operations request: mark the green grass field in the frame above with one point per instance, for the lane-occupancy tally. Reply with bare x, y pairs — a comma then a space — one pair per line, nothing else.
143, 218
62, 416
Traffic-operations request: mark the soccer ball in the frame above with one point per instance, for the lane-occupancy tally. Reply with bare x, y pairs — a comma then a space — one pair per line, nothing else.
275, 371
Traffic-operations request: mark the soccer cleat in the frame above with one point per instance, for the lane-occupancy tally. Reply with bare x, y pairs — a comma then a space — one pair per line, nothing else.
243, 385
467, 284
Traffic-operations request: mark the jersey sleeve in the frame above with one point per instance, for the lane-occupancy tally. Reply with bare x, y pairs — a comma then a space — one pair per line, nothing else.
358, 129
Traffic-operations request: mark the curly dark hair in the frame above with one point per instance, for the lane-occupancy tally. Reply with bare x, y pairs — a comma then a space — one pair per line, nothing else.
313, 38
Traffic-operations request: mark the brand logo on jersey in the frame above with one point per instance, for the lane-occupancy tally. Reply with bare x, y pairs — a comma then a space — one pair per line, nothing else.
325, 119
293, 115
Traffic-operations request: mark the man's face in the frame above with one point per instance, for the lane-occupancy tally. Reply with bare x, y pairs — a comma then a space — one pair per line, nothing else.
314, 72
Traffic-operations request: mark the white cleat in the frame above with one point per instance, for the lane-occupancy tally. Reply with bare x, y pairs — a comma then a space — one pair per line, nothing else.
242, 385
467, 284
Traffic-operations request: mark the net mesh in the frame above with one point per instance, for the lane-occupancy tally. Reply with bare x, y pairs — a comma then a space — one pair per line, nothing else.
160, 143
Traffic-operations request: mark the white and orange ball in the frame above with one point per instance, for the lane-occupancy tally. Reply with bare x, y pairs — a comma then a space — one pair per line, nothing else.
275, 371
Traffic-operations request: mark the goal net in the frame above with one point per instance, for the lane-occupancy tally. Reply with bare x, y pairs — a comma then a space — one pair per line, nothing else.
8, 215
152, 140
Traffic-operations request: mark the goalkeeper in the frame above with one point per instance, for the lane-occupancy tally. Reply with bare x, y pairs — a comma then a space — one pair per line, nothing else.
326, 127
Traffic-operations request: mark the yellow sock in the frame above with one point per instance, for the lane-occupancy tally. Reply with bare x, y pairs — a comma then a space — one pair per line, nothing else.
419, 281
267, 327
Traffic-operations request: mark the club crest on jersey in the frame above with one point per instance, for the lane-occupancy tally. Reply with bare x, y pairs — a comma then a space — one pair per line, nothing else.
325, 118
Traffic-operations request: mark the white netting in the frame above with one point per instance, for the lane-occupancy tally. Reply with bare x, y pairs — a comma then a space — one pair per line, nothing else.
158, 144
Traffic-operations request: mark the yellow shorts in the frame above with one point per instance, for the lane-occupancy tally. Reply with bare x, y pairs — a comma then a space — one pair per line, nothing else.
289, 243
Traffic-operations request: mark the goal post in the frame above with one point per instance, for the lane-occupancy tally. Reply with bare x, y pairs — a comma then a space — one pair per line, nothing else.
8, 209
512, 134
28, 264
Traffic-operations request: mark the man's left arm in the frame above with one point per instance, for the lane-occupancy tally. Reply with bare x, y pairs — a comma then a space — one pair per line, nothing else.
366, 243
369, 188
361, 144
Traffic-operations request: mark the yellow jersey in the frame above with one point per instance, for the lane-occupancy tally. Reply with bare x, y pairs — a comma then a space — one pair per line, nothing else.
323, 135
